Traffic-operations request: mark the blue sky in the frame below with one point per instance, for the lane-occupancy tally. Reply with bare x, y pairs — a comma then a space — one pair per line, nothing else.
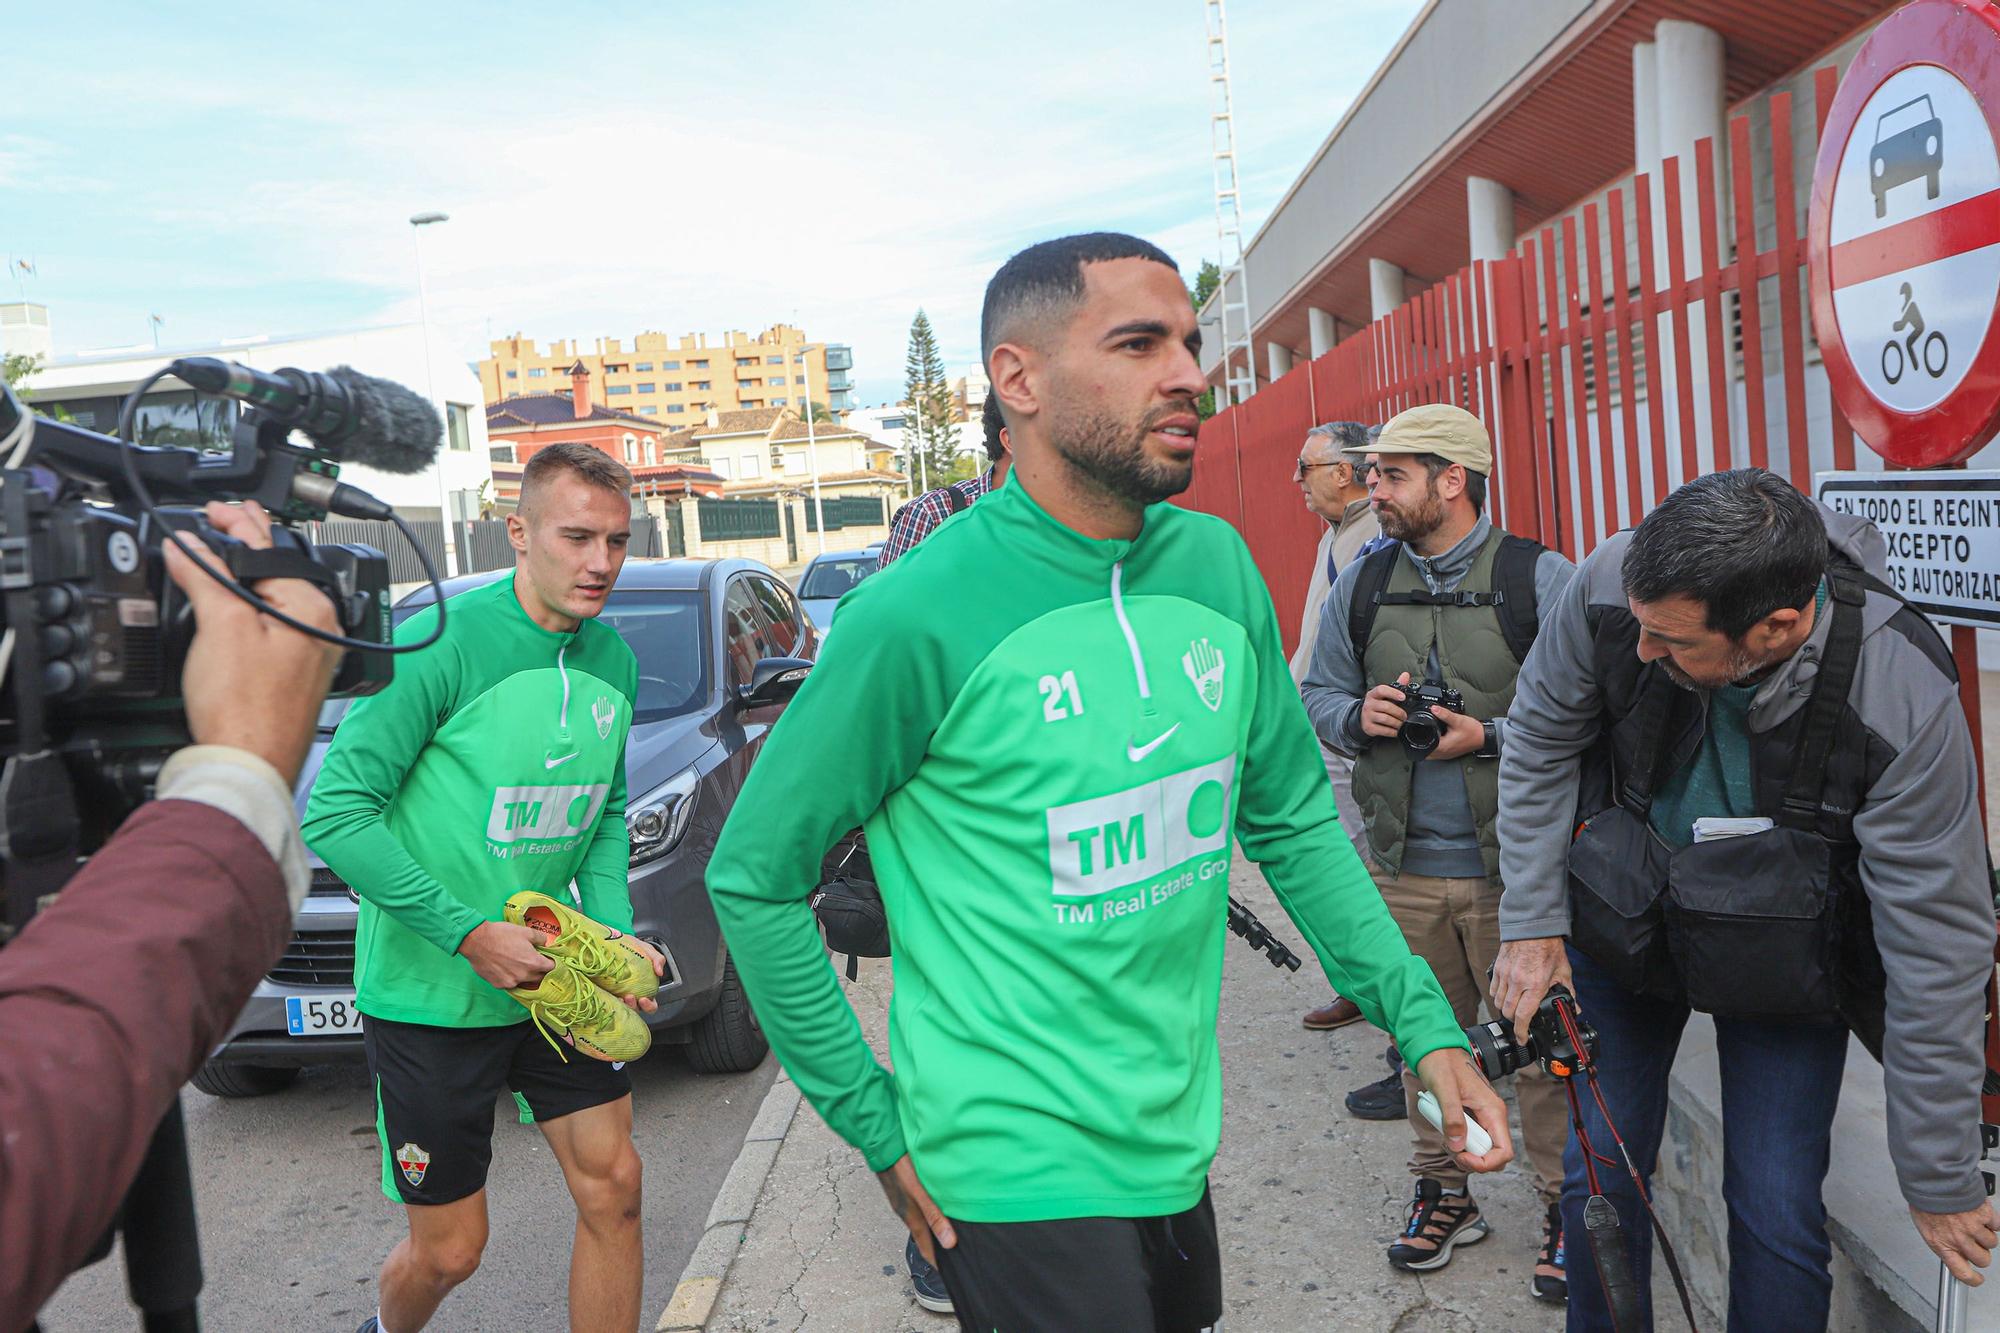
612, 167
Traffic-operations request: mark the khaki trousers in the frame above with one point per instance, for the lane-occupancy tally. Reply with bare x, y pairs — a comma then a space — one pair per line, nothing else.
1454, 925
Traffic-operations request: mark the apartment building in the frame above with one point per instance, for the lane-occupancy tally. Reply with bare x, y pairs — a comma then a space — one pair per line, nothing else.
679, 379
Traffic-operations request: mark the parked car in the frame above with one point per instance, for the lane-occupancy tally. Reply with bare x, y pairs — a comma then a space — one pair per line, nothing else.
828, 577
718, 643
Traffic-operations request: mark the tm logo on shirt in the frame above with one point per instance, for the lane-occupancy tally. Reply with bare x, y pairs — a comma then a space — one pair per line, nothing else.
1132, 836
543, 814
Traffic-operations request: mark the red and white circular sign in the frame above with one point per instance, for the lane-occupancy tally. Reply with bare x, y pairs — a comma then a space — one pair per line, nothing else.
1904, 235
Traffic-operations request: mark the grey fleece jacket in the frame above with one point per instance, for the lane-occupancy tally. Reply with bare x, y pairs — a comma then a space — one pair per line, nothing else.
1442, 839
1923, 854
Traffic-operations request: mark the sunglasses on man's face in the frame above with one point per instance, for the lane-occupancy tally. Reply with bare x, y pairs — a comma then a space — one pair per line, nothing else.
1361, 470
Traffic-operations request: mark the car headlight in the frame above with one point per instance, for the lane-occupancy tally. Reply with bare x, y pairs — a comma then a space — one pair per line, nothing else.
656, 821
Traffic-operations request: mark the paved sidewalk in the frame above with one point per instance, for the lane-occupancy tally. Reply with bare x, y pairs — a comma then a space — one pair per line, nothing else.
1306, 1197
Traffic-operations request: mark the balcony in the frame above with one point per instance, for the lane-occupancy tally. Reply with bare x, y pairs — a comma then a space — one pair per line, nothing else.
839, 357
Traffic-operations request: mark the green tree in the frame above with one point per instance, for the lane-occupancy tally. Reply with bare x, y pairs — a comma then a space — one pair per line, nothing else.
17, 368
929, 441
1205, 283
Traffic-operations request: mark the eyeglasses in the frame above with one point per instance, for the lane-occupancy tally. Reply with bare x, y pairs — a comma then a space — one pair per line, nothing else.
1361, 469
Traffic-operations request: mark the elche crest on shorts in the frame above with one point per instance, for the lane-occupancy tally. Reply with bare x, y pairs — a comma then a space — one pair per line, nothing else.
414, 1162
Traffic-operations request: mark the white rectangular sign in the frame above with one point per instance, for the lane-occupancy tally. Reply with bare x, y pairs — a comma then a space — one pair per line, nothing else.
1943, 533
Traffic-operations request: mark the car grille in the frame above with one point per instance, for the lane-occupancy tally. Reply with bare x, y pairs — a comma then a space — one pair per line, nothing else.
326, 884
317, 958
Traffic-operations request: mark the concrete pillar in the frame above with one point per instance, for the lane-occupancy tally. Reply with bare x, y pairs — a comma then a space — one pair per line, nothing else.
1689, 97
1489, 217
1279, 358
1320, 323
1385, 288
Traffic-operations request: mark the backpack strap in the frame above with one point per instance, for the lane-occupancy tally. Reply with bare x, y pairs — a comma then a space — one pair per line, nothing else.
1514, 579
1369, 580
954, 500
1655, 705
1512, 595
1829, 699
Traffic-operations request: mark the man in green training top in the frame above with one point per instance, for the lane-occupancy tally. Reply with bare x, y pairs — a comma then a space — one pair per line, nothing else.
495, 764
1049, 779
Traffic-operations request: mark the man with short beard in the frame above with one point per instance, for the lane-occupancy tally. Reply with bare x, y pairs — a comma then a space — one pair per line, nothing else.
1050, 778
1450, 601
1739, 780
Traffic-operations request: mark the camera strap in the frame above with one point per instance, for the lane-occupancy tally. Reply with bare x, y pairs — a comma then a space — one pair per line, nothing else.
1828, 703
249, 564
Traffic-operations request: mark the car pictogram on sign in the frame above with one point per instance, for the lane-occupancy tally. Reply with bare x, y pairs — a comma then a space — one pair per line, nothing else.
1909, 143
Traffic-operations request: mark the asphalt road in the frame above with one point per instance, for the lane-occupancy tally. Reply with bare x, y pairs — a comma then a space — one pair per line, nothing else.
294, 1224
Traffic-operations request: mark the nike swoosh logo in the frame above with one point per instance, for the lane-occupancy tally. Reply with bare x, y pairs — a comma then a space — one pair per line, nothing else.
558, 763
1137, 752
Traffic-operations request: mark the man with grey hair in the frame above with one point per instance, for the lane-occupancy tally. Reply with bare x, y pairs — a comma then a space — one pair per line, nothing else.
1335, 487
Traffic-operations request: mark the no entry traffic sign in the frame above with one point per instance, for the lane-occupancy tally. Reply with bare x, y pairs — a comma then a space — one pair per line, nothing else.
1904, 235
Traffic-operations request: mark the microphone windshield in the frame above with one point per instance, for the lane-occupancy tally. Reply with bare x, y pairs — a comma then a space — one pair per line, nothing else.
395, 430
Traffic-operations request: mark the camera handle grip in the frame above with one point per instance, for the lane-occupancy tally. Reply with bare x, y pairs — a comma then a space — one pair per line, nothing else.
1477, 1141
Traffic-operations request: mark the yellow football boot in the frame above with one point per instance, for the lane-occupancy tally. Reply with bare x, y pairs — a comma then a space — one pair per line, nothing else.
592, 948
565, 1004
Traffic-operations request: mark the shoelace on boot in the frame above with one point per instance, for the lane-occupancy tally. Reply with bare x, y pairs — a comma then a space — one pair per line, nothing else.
565, 1014
593, 957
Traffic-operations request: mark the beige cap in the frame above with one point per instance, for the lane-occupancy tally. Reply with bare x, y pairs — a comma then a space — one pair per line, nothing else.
1452, 433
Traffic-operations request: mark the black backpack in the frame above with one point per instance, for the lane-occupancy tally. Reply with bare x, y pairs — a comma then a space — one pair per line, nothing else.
1512, 597
849, 906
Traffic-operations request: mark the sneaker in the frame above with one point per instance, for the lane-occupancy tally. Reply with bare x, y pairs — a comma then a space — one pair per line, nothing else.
595, 950
1551, 1287
1439, 1223
566, 1004
1382, 1099
926, 1281
369, 1325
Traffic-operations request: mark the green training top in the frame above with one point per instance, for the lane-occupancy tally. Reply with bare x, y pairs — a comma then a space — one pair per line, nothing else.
1050, 739
493, 762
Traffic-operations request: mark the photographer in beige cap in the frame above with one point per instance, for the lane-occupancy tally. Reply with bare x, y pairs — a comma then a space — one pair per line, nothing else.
1418, 650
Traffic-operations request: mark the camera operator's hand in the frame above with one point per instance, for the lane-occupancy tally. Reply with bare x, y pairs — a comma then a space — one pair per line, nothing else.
1459, 736
912, 1202
1461, 1090
252, 683
1965, 1241
1523, 971
504, 954
1382, 713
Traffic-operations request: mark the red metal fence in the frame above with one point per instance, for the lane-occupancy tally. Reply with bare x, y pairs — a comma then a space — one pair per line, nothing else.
1588, 355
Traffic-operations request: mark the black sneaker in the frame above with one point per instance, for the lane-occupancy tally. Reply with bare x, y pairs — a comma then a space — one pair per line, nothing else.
1443, 1221
1382, 1099
1541, 1286
926, 1281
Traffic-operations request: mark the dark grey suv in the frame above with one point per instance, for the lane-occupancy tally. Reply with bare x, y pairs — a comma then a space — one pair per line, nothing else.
718, 643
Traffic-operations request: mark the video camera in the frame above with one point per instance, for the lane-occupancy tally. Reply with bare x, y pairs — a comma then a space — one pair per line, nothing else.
96, 635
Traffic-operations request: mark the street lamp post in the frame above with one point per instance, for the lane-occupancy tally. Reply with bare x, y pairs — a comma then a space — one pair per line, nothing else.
812, 445
417, 224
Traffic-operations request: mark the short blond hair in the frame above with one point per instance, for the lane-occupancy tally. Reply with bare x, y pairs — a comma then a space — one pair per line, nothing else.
585, 462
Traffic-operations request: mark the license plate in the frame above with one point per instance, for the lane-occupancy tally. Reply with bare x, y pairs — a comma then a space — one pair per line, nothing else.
322, 1015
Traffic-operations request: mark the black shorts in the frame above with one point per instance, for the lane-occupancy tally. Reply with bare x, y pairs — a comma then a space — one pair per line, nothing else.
434, 1094
1106, 1274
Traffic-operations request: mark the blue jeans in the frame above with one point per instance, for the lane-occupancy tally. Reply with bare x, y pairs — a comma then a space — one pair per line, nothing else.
1780, 1083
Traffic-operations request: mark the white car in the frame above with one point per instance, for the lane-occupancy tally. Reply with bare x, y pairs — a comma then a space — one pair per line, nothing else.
829, 576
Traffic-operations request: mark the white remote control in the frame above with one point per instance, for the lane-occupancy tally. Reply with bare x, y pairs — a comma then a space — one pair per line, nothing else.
1477, 1141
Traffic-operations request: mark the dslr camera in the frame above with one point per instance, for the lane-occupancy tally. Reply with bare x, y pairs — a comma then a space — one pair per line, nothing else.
1421, 731
1560, 1039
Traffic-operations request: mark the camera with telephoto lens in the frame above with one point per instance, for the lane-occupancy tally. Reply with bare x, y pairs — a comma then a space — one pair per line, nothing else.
1550, 1041
1421, 731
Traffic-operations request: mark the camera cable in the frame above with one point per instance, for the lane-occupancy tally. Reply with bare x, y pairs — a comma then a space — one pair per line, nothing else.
127, 417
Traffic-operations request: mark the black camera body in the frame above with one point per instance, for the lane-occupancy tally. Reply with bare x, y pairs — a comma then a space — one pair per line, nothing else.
113, 629
1421, 731
1550, 1044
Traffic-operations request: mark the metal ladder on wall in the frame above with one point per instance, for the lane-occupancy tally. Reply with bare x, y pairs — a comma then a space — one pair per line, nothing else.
1233, 293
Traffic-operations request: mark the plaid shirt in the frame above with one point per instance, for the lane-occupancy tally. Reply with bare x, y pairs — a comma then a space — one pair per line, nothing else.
920, 517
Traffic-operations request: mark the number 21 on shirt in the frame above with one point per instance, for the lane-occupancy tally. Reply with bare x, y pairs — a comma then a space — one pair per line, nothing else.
1053, 689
